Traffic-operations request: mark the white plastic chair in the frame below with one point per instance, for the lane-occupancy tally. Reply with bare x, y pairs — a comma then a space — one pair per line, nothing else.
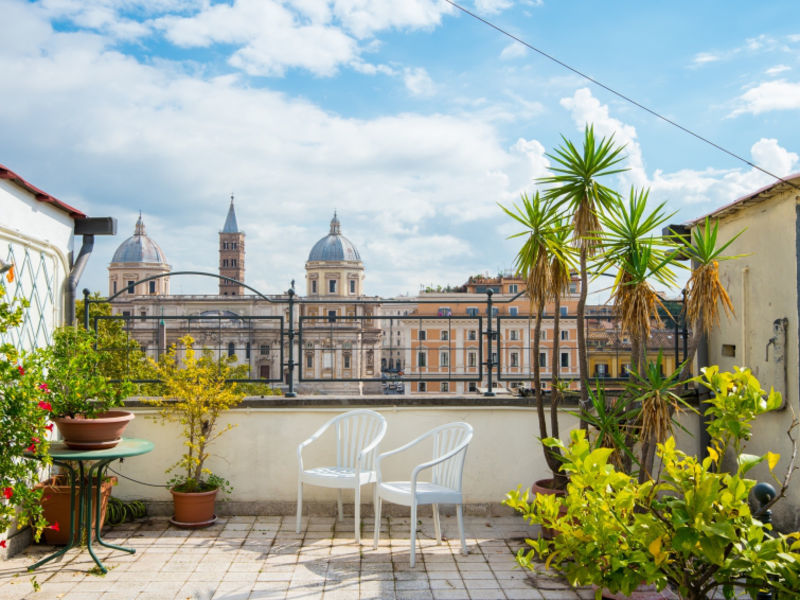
358, 433
447, 466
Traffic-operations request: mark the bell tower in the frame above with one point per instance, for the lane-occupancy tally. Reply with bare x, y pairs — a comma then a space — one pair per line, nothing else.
231, 255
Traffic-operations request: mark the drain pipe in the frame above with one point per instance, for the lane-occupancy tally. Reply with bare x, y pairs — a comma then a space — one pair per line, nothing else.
88, 228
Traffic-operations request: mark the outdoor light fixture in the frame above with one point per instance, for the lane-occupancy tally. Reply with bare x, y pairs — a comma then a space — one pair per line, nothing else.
4, 266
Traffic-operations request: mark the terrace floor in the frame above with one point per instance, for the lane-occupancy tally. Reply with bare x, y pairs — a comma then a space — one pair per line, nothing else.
241, 557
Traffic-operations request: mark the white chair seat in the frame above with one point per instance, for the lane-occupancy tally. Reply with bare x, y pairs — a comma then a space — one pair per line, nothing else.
334, 477
399, 492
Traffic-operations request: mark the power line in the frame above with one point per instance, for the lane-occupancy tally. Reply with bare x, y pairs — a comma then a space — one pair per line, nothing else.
618, 94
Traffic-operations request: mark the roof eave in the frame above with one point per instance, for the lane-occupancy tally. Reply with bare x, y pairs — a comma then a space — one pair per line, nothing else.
41, 196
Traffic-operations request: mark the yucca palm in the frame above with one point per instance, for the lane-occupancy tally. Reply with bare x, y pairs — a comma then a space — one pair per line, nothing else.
543, 246
575, 187
704, 290
633, 245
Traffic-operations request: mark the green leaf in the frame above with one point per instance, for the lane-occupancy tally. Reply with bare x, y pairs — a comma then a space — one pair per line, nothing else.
748, 461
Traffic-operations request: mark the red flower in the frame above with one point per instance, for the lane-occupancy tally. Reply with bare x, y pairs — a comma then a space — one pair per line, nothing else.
2, 543
43, 387
45, 405
54, 527
21, 370
49, 427
8, 492
32, 447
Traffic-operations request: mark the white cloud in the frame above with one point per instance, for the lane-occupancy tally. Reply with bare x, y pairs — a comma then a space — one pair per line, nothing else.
365, 17
777, 69
513, 50
703, 58
768, 154
771, 95
492, 6
418, 82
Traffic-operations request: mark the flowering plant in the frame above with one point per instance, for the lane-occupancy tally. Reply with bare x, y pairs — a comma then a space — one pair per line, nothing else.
75, 379
24, 411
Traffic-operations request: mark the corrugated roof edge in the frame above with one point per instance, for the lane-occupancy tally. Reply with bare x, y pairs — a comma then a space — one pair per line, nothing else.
41, 196
740, 202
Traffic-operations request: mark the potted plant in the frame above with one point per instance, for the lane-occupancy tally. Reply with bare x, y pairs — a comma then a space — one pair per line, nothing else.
81, 396
24, 411
690, 528
196, 392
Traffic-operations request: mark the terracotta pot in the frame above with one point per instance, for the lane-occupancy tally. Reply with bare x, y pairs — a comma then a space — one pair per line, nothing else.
193, 509
55, 503
545, 488
643, 592
103, 431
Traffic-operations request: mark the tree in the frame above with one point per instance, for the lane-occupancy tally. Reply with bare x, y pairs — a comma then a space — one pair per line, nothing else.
576, 188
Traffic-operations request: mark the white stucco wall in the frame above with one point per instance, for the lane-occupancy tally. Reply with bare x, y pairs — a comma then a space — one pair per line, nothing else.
46, 233
259, 455
763, 287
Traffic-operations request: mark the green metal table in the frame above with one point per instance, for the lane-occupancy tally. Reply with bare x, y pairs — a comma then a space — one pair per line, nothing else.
89, 482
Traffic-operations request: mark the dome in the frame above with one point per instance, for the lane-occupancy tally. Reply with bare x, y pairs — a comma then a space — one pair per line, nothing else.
139, 248
334, 246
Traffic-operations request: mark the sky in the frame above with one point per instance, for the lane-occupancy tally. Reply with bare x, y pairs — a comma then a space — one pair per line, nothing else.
409, 118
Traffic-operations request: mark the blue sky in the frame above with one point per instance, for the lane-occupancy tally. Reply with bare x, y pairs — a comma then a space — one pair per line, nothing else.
409, 118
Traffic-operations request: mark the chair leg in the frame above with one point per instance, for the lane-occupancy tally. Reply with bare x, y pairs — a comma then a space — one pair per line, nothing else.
413, 553
437, 526
339, 502
460, 513
299, 504
377, 502
357, 510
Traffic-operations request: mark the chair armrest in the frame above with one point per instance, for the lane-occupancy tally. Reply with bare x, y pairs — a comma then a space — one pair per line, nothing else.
314, 437
432, 463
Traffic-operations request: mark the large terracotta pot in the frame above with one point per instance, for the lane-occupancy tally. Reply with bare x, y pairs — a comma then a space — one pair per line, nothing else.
193, 509
55, 503
545, 487
103, 431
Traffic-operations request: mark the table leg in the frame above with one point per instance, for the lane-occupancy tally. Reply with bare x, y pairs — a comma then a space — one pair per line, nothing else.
72, 528
100, 471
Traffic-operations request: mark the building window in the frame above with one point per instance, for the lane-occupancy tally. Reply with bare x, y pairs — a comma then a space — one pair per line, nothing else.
423, 387
515, 359
565, 335
263, 371
495, 311
543, 334
563, 311
601, 370
494, 358
472, 359
472, 335
346, 360
444, 311
233, 262
332, 286
309, 360
573, 288
331, 316
445, 335
313, 286
263, 349
543, 359
152, 287
513, 288
445, 386
472, 311
231, 349
513, 311
352, 286
422, 334
115, 287
472, 387
224, 245
444, 359
247, 351
130, 286
224, 262
513, 335
565, 360
422, 359
142, 313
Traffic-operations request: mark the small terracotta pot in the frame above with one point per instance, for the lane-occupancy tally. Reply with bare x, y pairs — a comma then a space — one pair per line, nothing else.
55, 503
545, 488
193, 509
103, 431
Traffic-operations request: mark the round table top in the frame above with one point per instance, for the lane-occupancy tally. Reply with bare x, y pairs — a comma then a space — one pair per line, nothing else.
127, 447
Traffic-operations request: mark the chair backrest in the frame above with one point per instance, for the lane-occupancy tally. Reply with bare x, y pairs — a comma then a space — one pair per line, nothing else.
453, 437
355, 430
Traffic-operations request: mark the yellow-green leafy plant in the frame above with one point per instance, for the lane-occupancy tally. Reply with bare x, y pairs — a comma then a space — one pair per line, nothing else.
196, 392
691, 527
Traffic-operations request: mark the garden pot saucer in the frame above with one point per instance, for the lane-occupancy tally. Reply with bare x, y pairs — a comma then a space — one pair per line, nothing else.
193, 525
